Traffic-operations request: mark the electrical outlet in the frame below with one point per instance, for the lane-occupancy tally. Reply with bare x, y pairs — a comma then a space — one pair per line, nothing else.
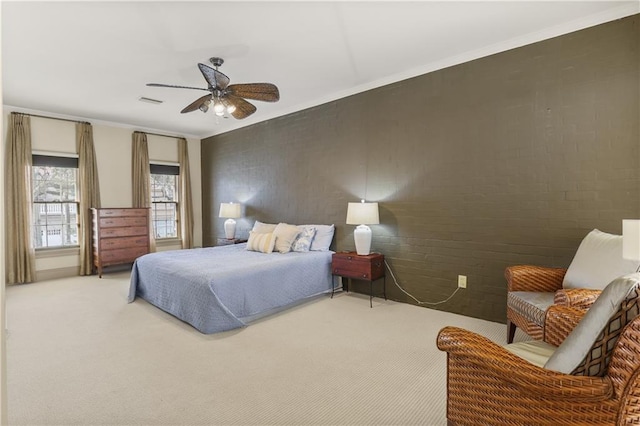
462, 281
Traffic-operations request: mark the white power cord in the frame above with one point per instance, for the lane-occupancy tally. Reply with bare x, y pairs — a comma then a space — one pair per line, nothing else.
411, 296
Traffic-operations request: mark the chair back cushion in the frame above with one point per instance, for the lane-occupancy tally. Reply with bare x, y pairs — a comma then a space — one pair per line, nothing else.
587, 349
597, 262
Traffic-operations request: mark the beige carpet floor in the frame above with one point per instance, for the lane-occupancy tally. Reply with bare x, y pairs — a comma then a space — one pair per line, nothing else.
79, 354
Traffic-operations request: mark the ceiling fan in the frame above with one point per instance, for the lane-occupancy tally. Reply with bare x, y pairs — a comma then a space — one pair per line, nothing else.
224, 97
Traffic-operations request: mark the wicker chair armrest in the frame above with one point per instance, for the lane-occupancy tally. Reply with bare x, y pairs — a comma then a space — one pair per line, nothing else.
559, 321
579, 298
487, 357
534, 278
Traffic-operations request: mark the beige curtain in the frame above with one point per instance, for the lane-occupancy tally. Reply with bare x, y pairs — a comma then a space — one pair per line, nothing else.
19, 251
89, 191
186, 205
140, 175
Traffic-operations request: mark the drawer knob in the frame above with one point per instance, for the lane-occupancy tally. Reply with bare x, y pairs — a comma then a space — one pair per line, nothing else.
349, 257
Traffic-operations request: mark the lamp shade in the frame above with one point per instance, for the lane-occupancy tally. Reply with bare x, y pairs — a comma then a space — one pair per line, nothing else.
362, 214
631, 239
230, 210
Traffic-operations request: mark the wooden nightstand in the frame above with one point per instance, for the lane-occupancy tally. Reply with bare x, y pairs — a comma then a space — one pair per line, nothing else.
366, 268
229, 241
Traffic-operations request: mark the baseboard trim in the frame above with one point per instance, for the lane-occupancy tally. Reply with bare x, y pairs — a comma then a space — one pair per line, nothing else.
53, 274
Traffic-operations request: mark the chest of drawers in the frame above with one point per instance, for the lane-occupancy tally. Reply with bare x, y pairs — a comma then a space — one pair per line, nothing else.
366, 268
120, 235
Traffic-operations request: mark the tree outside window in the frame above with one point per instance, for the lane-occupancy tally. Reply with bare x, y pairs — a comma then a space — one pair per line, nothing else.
164, 200
55, 201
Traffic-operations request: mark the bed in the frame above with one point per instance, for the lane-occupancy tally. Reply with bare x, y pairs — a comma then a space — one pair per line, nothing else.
221, 288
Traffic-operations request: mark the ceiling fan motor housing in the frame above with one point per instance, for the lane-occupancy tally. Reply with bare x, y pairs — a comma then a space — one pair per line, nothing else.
217, 62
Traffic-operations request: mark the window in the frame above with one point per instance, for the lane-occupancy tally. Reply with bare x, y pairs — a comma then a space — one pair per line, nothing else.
164, 200
55, 201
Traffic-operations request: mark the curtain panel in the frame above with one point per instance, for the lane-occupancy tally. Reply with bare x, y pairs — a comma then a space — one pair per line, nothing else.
141, 176
186, 204
89, 189
19, 250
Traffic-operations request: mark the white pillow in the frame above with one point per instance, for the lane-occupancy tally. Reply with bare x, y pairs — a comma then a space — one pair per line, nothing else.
597, 262
323, 238
261, 242
285, 235
304, 239
263, 228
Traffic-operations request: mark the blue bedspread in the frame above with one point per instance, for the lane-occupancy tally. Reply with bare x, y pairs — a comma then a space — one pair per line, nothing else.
221, 288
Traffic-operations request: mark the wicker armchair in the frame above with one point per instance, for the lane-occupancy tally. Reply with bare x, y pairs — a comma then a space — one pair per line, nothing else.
531, 290
488, 384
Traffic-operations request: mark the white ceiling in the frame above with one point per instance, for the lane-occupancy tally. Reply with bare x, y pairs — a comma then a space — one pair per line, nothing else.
90, 60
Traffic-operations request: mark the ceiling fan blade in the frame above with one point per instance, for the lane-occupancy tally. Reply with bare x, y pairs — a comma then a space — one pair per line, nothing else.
174, 87
197, 104
243, 108
266, 92
215, 78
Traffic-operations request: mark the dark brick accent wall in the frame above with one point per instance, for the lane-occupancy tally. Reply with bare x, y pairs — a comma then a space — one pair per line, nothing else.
509, 159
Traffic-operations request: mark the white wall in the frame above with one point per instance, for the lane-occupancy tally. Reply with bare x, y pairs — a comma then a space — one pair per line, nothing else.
4, 415
113, 155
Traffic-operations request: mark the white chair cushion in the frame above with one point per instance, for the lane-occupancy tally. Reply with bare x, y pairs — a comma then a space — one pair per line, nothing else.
532, 305
536, 352
588, 334
597, 262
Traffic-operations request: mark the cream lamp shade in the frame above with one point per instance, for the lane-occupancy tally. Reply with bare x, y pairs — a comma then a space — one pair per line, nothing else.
230, 211
362, 214
631, 239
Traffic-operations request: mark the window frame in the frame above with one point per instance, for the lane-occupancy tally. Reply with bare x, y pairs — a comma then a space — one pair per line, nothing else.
165, 169
57, 160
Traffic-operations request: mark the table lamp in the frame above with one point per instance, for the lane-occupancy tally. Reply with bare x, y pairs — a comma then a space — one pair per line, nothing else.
230, 211
362, 214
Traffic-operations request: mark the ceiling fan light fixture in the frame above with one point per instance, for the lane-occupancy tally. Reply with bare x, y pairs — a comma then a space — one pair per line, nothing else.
218, 108
228, 105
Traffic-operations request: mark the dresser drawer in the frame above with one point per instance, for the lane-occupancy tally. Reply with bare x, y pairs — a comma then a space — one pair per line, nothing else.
368, 268
123, 242
121, 212
111, 222
117, 256
123, 232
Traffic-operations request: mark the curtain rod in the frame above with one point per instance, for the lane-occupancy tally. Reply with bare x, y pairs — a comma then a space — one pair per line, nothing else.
158, 134
51, 118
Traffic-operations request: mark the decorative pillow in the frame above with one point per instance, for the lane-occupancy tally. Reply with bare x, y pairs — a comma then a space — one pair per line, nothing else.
597, 262
285, 235
261, 242
263, 228
587, 349
304, 239
323, 238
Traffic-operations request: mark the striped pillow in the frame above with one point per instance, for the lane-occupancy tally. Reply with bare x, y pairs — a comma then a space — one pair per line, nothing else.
261, 242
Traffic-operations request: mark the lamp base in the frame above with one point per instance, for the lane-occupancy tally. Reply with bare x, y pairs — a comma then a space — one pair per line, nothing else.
230, 228
362, 238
